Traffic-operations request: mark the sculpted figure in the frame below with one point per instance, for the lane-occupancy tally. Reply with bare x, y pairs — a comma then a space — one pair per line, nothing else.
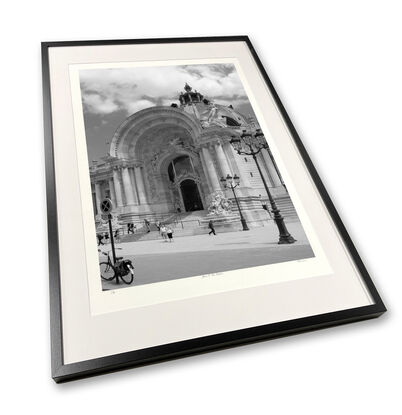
154, 162
219, 205
214, 118
212, 113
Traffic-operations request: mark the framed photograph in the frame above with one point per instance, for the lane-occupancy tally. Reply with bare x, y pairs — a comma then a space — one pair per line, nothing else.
184, 213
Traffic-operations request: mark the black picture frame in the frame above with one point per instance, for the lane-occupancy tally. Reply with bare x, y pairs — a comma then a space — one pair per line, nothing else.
62, 372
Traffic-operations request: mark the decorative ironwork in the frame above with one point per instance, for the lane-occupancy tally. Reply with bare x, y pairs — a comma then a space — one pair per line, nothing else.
231, 183
250, 144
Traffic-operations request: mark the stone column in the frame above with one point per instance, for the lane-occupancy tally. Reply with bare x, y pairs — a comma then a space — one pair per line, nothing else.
239, 168
98, 196
133, 185
276, 181
204, 169
117, 188
139, 180
262, 162
128, 189
209, 164
112, 192
223, 162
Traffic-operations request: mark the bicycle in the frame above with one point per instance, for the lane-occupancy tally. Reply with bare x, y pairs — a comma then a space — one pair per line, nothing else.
122, 268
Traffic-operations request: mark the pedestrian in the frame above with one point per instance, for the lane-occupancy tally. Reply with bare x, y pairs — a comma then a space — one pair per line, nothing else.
158, 225
147, 225
163, 232
100, 237
130, 228
169, 233
211, 226
117, 235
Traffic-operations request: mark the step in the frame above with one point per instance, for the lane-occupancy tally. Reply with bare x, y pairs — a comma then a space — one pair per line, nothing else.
285, 205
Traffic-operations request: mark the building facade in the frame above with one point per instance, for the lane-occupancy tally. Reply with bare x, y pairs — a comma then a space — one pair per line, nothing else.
167, 160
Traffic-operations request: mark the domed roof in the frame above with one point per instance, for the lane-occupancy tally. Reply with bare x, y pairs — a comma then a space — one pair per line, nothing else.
207, 112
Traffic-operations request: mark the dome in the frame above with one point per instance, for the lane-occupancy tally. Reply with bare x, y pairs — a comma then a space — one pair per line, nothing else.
207, 112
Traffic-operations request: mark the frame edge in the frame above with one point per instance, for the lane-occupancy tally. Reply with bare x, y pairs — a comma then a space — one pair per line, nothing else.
56, 333
62, 372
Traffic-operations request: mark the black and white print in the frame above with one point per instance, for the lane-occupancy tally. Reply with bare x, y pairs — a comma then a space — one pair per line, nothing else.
193, 184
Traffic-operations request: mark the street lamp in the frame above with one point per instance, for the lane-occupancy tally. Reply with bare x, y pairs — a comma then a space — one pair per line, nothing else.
232, 183
250, 145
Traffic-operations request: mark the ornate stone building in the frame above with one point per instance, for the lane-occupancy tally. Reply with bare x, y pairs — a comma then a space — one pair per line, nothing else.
169, 159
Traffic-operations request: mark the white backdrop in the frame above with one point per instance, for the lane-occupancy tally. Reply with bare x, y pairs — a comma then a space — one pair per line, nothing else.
337, 67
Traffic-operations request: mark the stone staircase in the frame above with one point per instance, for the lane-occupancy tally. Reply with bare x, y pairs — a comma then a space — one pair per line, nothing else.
189, 223
286, 207
182, 224
193, 223
141, 234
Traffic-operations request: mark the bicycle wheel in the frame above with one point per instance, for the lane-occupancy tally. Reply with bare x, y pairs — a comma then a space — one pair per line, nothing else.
128, 278
107, 271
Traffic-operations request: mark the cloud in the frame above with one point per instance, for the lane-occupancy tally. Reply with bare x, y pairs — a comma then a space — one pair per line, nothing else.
105, 91
94, 102
138, 105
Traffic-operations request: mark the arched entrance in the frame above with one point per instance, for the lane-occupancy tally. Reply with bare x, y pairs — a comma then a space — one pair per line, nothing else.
191, 195
185, 183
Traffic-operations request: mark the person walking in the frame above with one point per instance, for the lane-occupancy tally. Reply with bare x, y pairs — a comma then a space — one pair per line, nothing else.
117, 235
169, 233
164, 232
100, 237
148, 225
211, 226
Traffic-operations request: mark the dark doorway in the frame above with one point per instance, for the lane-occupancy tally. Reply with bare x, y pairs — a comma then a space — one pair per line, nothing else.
191, 195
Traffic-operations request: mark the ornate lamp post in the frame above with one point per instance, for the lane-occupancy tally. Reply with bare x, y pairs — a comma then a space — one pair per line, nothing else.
250, 145
232, 183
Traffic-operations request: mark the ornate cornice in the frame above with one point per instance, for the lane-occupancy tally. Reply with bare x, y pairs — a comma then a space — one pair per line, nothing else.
101, 177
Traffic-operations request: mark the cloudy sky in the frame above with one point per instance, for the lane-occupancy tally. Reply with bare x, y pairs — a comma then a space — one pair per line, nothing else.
111, 95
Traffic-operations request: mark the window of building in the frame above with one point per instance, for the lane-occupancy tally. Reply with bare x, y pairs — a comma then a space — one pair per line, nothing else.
171, 172
232, 122
180, 166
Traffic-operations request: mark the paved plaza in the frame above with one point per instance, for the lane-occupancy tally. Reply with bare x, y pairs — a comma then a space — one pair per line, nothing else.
187, 256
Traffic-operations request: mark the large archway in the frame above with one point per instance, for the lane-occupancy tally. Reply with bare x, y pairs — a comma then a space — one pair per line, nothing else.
149, 123
147, 143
